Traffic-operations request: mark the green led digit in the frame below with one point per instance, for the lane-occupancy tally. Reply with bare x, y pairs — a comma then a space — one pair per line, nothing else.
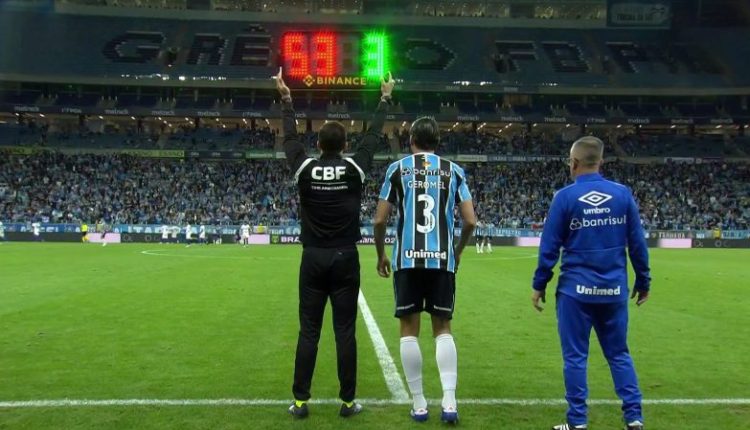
375, 55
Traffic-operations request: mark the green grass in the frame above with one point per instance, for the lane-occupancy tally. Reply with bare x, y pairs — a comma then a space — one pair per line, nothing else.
91, 322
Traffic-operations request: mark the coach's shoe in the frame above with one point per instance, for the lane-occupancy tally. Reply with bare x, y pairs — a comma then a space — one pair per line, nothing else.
350, 409
419, 415
449, 415
635, 425
567, 426
299, 409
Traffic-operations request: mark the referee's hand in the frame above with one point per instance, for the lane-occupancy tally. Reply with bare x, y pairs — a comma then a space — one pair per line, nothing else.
642, 296
386, 86
384, 267
284, 91
536, 296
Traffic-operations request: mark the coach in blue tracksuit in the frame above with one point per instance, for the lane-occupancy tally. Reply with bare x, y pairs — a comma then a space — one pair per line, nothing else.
594, 220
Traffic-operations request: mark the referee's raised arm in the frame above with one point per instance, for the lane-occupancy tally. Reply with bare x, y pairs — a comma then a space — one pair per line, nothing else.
366, 151
293, 148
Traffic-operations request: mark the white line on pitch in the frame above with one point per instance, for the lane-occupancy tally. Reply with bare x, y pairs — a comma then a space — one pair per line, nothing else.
392, 377
161, 253
372, 402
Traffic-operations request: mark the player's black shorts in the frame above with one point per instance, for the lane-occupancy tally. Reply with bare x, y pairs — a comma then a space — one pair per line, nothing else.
429, 290
84, 233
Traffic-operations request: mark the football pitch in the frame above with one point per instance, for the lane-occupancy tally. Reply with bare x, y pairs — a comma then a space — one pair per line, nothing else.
167, 337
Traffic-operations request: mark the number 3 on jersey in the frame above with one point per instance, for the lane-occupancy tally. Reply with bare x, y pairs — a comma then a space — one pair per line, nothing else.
429, 217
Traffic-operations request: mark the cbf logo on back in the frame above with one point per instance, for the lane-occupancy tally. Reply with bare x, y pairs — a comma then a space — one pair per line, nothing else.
328, 173
595, 199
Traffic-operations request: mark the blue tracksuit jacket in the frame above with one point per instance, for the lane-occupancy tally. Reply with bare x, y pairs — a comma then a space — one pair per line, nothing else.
593, 220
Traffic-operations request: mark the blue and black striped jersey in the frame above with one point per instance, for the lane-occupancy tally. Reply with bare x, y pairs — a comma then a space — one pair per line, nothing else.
426, 189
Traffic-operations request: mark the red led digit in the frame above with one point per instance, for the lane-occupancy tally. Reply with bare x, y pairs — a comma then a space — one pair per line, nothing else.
324, 54
295, 54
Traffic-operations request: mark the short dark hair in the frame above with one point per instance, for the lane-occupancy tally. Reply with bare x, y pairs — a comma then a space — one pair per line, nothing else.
425, 133
332, 137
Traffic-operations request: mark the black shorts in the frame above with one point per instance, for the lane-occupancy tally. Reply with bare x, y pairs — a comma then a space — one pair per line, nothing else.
429, 290
84, 233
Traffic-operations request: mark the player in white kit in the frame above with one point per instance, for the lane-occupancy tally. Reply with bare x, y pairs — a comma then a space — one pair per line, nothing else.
188, 234
245, 234
36, 229
164, 234
202, 234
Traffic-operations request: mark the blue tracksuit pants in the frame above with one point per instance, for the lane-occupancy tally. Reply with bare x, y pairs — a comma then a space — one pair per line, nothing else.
610, 321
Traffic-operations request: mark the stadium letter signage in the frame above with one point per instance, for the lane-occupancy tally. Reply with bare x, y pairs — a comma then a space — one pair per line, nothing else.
568, 57
426, 54
134, 47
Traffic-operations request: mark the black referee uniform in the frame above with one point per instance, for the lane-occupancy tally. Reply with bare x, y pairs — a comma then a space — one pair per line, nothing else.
330, 191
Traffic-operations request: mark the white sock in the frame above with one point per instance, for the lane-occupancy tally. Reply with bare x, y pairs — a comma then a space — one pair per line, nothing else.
447, 362
477, 247
411, 360
489, 248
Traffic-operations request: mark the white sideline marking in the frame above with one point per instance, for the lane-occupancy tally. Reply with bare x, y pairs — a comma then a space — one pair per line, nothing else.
160, 253
66, 403
392, 377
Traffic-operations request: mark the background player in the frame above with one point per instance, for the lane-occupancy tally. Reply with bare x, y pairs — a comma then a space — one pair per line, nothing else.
245, 234
102, 228
36, 229
188, 235
426, 189
2, 232
84, 232
487, 238
175, 232
164, 233
478, 234
202, 234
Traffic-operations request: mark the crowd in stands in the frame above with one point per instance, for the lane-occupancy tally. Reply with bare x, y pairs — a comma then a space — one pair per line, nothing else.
489, 143
244, 137
180, 136
310, 139
471, 142
685, 146
672, 196
53, 187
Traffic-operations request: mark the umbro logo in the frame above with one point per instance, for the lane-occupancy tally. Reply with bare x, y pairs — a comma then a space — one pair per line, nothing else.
595, 198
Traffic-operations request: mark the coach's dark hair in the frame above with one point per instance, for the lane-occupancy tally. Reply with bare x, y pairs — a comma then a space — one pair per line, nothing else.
425, 133
332, 137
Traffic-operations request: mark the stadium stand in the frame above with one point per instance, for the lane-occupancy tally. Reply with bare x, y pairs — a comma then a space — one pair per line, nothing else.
206, 137
63, 188
679, 146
